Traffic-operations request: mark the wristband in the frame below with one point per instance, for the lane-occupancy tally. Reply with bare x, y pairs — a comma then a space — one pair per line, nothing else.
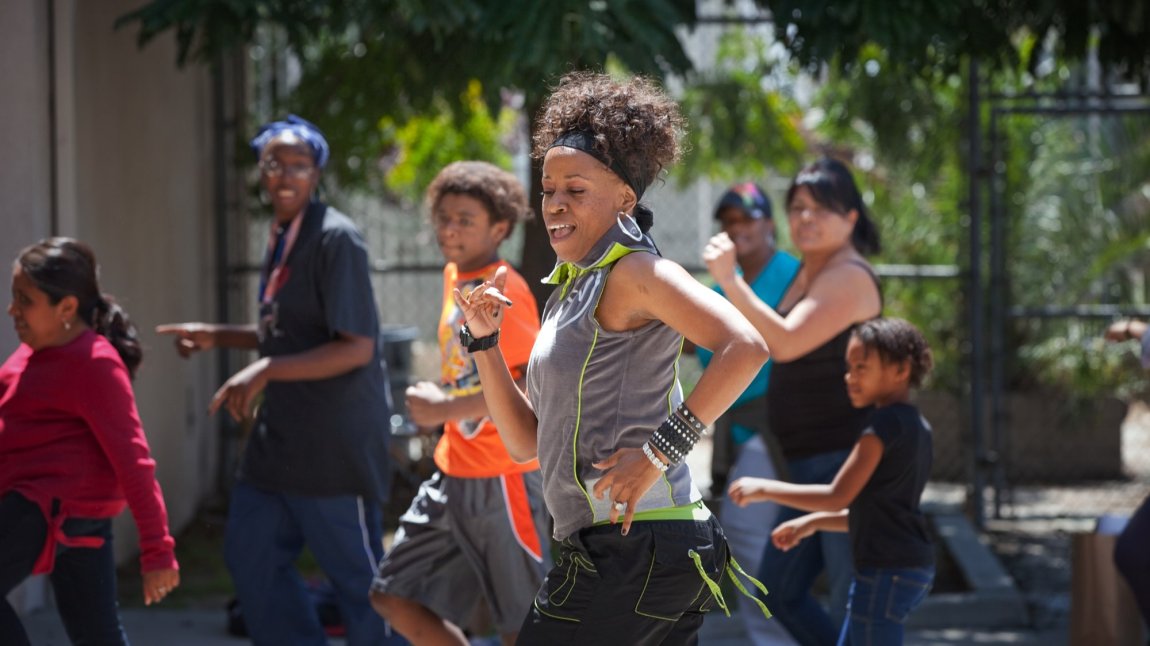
659, 464
477, 345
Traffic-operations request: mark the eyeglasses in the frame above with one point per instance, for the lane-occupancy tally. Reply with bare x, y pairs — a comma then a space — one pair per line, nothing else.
273, 168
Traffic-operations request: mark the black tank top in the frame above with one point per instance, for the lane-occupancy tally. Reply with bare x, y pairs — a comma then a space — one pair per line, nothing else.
808, 409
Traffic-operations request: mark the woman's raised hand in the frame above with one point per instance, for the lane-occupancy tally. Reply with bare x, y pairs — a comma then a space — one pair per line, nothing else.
719, 257
483, 306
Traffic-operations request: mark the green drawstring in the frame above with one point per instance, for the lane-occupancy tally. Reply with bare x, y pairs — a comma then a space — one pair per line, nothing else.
710, 584
733, 564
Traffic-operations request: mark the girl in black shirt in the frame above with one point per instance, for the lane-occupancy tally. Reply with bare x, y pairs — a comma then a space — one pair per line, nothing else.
876, 494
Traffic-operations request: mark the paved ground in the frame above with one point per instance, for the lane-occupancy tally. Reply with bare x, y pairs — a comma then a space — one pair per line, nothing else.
147, 627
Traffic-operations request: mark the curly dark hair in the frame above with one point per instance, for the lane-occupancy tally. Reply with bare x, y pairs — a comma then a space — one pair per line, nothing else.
635, 123
498, 190
896, 341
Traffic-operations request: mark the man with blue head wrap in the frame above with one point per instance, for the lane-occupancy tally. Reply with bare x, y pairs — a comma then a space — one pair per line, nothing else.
314, 471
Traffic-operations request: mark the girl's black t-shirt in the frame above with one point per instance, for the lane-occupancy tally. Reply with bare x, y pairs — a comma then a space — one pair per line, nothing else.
887, 528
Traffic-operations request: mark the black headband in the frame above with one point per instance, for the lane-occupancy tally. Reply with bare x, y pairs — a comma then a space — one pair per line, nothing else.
584, 140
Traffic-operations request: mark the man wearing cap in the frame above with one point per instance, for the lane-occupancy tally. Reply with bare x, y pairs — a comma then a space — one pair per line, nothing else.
314, 471
744, 215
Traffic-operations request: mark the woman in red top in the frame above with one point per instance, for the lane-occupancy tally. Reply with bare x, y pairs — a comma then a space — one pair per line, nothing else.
72, 451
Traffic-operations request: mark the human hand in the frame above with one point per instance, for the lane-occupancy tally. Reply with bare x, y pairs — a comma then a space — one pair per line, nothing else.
483, 306
427, 404
789, 534
628, 475
238, 393
190, 337
1121, 331
747, 490
159, 583
719, 256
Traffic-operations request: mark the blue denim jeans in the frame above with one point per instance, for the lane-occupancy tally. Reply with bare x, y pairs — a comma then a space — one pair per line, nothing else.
788, 576
83, 579
1132, 559
880, 601
267, 531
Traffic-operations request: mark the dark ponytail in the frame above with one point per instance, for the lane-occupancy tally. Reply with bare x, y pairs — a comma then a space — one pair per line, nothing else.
63, 267
111, 321
831, 185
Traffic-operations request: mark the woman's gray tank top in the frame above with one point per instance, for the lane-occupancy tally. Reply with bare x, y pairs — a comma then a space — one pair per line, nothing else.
596, 391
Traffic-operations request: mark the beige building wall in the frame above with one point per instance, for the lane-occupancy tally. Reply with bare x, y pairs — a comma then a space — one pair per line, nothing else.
121, 158
25, 177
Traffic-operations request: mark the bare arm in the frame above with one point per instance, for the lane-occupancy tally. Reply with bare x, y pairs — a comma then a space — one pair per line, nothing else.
429, 405
790, 533
336, 357
194, 337
507, 404
642, 288
842, 294
654, 288
839, 494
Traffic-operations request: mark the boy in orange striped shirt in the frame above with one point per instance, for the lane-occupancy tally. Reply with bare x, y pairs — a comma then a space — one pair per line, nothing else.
478, 524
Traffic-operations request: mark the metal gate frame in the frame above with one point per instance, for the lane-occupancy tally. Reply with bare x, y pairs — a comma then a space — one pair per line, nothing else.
987, 181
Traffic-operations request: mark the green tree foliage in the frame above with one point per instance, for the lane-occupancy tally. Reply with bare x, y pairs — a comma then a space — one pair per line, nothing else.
929, 34
427, 143
367, 63
744, 122
1069, 185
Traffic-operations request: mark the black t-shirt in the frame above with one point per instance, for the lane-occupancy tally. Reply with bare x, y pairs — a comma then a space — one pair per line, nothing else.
887, 528
808, 408
325, 437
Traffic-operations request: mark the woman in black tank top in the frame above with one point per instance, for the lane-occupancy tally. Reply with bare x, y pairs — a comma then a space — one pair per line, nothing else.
808, 409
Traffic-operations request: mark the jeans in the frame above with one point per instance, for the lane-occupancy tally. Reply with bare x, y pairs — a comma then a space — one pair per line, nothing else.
83, 580
788, 576
1132, 558
880, 601
267, 531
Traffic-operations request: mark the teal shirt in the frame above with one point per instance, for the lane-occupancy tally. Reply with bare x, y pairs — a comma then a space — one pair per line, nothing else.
770, 285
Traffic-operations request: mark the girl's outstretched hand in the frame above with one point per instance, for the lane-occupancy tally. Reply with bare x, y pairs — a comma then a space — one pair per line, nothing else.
483, 306
791, 533
747, 490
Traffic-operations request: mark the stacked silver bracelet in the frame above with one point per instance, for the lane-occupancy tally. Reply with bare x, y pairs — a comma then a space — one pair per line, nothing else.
659, 464
677, 435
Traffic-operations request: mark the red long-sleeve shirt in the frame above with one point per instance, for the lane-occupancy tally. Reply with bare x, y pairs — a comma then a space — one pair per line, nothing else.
70, 432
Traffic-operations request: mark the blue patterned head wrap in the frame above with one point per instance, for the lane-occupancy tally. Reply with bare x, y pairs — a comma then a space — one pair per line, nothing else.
305, 130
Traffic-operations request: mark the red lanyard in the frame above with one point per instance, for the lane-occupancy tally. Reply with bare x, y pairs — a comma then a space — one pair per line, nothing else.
278, 274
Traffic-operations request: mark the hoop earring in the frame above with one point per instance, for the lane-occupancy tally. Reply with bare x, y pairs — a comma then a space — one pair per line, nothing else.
629, 226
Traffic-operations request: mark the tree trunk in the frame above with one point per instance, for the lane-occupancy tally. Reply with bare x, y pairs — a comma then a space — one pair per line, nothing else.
538, 258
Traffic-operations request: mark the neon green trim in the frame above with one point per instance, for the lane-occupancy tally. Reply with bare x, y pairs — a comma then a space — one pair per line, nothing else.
715, 591
579, 421
691, 511
733, 564
544, 612
567, 272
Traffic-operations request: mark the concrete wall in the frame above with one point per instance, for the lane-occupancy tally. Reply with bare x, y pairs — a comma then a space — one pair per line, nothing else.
130, 139
25, 184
